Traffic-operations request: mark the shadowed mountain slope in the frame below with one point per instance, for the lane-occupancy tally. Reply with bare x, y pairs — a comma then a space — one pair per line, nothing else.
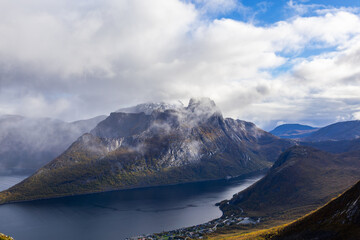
293, 131
170, 146
338, 219
302, 179
337, 131
335, 146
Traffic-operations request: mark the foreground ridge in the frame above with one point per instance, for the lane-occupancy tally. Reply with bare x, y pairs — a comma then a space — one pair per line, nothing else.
338, 219
301, 180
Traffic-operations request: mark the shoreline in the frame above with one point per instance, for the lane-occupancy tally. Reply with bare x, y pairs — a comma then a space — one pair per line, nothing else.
246, 175
208, 227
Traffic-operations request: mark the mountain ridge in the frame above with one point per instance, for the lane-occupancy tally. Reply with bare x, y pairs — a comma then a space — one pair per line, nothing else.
337, 131
302, 179
293, 131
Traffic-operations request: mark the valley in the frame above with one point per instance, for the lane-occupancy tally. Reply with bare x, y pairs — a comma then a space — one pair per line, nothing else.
179, 120
185, 161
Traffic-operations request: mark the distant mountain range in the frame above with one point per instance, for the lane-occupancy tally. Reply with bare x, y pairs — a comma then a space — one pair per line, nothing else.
293, 131
302, 179
161, 146
26, 144
335, 132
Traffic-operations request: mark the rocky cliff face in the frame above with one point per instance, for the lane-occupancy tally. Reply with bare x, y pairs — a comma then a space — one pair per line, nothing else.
162, 146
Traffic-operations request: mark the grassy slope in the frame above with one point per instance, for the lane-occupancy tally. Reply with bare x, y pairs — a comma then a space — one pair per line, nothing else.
338, 219
4, 237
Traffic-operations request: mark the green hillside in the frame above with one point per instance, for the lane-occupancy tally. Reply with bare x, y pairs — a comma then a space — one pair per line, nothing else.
4, 237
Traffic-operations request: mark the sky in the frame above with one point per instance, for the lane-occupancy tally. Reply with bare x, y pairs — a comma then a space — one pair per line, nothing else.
268, 62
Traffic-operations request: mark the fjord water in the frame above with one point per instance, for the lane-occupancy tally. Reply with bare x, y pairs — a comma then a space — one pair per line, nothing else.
119, 214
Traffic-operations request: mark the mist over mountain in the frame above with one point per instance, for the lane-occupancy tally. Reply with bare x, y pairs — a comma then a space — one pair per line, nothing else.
148, 108
165, 146
26, 144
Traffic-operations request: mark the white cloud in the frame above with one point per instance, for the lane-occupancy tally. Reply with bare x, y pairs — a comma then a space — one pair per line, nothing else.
74, 60
300, 8
217, 6
356, 115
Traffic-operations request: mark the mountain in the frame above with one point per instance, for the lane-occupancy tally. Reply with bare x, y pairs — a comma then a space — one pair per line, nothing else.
26, 144
148, 108
302, 179
170, 146
338, 219
293, 131
337, 131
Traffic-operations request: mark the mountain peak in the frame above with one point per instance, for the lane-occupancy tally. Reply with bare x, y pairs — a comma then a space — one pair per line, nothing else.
204, 101
198, 109
150, 107
203, 105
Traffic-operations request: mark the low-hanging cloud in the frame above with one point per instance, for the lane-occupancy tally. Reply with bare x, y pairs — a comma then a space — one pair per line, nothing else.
75, 60
27, 144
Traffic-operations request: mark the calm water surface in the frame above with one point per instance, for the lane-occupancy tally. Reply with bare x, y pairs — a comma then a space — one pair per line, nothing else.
119, 214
